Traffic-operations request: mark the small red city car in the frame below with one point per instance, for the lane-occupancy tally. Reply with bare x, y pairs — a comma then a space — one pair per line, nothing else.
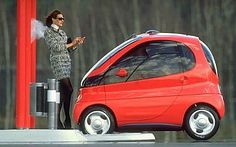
153, 81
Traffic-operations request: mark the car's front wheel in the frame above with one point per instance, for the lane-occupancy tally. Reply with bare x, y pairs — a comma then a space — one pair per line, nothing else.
201, 122
97, 120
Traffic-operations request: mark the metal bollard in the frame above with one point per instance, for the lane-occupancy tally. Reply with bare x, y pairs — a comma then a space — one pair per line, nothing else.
51, 98
57, 102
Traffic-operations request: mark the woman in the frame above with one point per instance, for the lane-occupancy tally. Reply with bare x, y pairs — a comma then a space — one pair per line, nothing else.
56, 41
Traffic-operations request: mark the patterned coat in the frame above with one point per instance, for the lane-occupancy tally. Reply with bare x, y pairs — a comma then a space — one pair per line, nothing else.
59, 56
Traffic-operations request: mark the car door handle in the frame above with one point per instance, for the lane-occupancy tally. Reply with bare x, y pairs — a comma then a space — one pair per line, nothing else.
183, 79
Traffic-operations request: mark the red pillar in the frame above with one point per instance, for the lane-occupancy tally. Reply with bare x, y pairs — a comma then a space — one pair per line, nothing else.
20, 69
33, 56
26, 62
33, 45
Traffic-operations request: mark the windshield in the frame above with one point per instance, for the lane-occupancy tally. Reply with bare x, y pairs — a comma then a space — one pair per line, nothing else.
110, 54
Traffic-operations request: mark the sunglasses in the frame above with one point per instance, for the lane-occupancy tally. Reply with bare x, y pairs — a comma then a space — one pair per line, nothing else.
60, 18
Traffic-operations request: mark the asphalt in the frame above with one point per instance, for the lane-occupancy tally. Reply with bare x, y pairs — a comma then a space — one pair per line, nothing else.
123, 144
74, 138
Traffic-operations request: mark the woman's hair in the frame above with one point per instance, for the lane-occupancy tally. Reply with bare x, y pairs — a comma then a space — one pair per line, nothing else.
53, 14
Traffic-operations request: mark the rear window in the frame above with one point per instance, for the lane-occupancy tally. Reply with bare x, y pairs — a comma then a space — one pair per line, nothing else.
209, 57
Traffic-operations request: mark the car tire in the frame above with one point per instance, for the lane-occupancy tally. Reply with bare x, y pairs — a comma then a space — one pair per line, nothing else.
97, 120
201, 122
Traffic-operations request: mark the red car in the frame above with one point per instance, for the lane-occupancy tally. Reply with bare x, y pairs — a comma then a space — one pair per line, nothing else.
153, 81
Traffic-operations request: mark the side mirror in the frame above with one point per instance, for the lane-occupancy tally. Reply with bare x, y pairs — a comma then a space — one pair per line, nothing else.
122, 72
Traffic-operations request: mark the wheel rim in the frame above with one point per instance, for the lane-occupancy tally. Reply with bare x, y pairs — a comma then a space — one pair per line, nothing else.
202, 122
97, 122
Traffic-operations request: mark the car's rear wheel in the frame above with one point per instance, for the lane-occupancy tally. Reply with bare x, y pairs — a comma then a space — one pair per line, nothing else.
201, 122
97, 120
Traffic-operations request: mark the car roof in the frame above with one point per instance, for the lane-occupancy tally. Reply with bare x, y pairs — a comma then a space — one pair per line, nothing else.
170, 36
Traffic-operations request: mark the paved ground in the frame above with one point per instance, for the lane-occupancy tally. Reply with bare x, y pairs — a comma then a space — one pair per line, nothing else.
128, 144
47, 136
74, 138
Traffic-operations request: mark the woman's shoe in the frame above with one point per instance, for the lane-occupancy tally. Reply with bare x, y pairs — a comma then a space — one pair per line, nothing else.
60, 125
67, 124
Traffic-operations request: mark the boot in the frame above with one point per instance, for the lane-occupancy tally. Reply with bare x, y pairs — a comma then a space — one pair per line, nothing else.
59, 125
67, 124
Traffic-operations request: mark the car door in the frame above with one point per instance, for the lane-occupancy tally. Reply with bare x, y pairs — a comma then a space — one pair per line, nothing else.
150, 82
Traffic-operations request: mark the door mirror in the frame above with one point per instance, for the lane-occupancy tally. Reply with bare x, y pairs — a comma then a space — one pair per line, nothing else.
122, 72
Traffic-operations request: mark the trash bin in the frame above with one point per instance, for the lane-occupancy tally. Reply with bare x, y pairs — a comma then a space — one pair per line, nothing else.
38, 99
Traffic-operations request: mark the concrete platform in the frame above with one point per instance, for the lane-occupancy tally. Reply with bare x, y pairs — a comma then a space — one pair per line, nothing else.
64, 136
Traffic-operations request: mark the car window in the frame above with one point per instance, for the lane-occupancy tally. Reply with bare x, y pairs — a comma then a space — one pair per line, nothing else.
209, 57
153, 59
108, 56
130, 61
164, 58
188, 59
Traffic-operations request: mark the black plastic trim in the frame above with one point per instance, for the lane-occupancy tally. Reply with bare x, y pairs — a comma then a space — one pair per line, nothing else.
150, 127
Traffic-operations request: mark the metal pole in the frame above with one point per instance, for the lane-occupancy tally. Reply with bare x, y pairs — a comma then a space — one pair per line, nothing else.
57, 102
51, 98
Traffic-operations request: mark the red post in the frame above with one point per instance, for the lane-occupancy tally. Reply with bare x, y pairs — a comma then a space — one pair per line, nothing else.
33, 56
26, 62
20, 69
33, 44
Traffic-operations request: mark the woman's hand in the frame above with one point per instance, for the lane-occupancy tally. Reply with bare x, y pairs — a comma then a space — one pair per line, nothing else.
79, 40
75, 42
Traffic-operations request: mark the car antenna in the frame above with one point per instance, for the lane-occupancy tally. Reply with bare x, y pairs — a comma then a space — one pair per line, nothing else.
152, 32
